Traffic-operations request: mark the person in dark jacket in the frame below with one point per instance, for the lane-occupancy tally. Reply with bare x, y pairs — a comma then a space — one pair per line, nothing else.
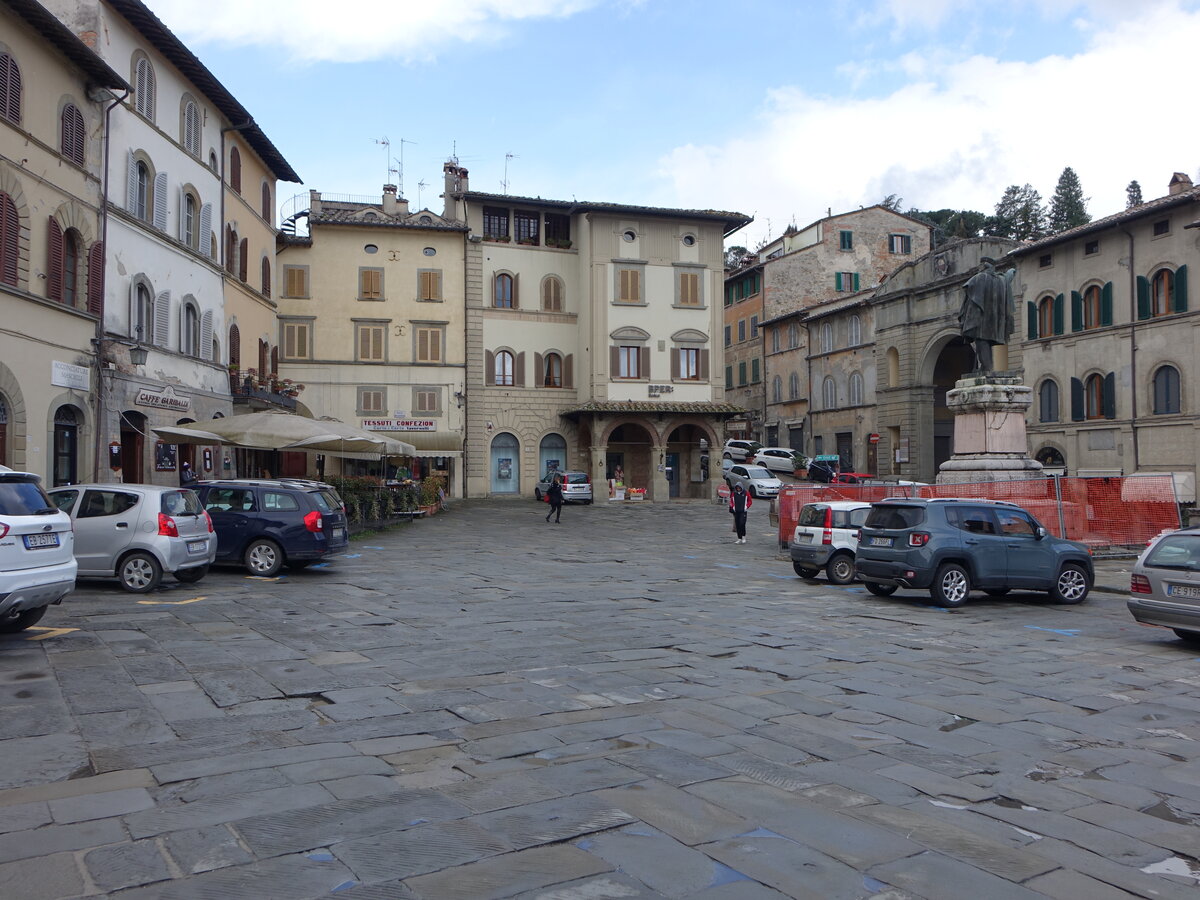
186, 475
739, 504
554, 495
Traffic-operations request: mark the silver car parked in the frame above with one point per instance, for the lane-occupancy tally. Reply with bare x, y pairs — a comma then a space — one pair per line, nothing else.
136, 532
1164, 587
757, 481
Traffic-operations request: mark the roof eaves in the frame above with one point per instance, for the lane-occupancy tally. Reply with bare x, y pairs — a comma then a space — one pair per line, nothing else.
41, 20
1127, 215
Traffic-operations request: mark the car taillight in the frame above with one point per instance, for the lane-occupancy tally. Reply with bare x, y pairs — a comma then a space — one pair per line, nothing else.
918, 539
827, 535
208, 519
1139, 584
313, 521
3, 529
166, 526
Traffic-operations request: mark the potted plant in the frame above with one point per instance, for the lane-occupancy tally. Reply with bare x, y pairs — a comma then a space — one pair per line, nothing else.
431, 487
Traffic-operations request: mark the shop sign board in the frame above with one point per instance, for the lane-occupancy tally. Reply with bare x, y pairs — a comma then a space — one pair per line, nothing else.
164, 399
399, 424
66, 375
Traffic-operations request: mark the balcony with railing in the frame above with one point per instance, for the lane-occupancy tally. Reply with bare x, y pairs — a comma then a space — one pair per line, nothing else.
263, 392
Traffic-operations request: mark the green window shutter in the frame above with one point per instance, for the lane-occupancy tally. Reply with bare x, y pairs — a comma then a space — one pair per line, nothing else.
728, 378
1031, 319
1056, 311
1181, 289
856, 281
1076, 400
1076, 310
741, 373
1106, 304
1109, 400
1143, 297
837, 281
754, 371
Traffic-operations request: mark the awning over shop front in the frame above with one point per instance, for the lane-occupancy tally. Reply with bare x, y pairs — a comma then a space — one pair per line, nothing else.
435, 443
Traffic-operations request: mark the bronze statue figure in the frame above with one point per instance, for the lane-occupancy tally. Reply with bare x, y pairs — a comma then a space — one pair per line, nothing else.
985, 317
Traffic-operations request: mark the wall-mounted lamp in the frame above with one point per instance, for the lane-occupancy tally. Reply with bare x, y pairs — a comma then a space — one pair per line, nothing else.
461, 398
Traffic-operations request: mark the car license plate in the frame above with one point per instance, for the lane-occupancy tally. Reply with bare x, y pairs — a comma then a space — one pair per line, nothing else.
804, 538
881, 542
197, 546
1191, 592
33, 541
339, 533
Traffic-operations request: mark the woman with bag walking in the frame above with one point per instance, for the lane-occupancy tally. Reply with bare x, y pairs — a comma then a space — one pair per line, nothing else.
554, 496
739, 504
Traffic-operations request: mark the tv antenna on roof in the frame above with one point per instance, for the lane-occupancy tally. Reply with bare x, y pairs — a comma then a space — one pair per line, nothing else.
421, 185
507, 157
400, 171
387, 150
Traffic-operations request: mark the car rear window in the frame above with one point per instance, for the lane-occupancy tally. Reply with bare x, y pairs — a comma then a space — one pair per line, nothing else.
576, 478
325, 501
1175, 551
895, 517
180, 503
23, 496
812, 515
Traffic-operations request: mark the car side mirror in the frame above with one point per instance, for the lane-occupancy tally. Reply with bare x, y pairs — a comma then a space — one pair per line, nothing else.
1040, 532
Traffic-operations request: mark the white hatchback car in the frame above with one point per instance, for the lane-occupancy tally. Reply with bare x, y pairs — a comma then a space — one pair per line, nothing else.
757, 481
826, 537
780, 459
37, 551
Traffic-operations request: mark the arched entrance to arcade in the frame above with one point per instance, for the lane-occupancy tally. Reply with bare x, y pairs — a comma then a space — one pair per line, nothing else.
627, 456
687, 461
948, 360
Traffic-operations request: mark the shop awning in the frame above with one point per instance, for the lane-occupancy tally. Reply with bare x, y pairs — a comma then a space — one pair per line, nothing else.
434, 443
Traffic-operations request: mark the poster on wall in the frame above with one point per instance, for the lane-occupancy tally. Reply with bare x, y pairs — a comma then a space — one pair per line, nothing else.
552, 465
504, 469
165, 456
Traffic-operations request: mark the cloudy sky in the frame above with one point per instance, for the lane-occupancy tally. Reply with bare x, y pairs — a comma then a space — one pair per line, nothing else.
781, 109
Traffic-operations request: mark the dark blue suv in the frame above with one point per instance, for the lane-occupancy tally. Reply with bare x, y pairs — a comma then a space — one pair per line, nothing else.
266, 525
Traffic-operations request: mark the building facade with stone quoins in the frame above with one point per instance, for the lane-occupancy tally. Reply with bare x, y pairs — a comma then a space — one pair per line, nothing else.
593, 341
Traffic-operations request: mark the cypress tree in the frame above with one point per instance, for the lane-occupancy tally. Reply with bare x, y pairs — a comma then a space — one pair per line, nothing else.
1068, 206
1133, 195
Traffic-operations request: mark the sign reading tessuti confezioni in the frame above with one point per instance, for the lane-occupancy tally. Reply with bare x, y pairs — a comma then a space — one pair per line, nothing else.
399, 425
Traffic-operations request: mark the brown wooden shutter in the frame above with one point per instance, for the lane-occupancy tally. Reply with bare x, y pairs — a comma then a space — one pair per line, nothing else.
422, 345
539, 373
364, 342
519, 370
235, 346
275, 353
73, 134
10, 89
235, 170
674, 363
568, 373
516, 291
489, 367
704, 365
95, 283
10, 229
243, 253
54, 262
266, 277
614, 362
643, 362
435, 345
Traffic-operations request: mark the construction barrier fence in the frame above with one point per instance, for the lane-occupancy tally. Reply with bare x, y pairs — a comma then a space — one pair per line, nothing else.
1101, 512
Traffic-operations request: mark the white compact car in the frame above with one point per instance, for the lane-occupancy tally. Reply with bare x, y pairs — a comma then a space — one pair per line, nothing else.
780, 459
826, 537
37, 551
740, 451
755, 480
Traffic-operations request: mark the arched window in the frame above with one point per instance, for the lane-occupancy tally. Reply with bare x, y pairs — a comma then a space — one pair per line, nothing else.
190, 339
855, 331
1166, 391
10, 245
144, 89
264, 357
1162, 292
793, 386
73, 134
504, 291
1045, 316
777, 389
1091, 307
266, 277
235, 346
235, 169
1048, 401
776, 338
141, 196
793, 336
826, 337
893, 367
10, 89
72, 242
856, 389
552, 295
552, 375
828, 394
66, 446
191, 128
267, 210
1093, 397
504, 368
143, 315
190, 230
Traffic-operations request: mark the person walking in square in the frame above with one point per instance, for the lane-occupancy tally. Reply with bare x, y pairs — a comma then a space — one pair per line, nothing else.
739, 504
554, 495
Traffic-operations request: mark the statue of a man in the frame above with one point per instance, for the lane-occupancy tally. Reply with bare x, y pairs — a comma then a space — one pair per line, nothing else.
986, 317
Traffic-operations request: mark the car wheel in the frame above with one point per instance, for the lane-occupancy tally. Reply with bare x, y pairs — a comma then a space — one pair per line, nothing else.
537, 494
1071, 586
22, 620
728, 456
139, 573
1181, 633
881, 590
840, 568
951, 586
297, 564
804, 571
264, 558
996, 592
753, 492
188, 576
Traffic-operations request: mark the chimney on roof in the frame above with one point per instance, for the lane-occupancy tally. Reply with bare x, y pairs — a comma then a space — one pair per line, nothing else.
389, 199
314, 203
1180, 182
455, 186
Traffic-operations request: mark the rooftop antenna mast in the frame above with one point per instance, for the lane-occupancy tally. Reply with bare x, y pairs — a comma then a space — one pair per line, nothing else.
387, 158
507, 157
400, 171
421, 185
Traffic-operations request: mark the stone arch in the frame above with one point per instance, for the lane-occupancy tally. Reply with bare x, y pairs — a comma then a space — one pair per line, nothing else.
71, 214
82, 435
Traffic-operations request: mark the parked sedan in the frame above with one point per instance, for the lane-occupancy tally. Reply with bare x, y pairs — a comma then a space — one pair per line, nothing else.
779, 459
136, 532
1164, 587
757, 481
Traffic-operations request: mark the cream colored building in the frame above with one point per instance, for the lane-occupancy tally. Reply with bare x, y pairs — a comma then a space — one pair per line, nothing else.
593, 341
372, 323
52, 136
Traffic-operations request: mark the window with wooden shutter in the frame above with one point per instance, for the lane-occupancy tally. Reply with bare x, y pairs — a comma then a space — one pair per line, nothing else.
370, 284
295, 342
370, 342
73, 134
191, 128
370, 400
504, 291
162, 319
630, 286
295, 279
267, 206
10, 230
235, 169
429, 343
1161, 294
243, 258
426, 401
429, 285
266, 277
552, 291
10, 89
689, 363
72, 243
95, 279
1093, 392
1045, 318
1091, 307
629, 362
689, 289
1048, 401
504, 369
159, 199
144, 88
235, 346
552, 371
54, 262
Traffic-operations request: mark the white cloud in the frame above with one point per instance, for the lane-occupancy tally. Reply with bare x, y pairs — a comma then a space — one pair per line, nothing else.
955, 134
354, 30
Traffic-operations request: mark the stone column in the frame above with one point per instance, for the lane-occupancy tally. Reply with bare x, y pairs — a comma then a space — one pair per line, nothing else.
990, 443
660, 488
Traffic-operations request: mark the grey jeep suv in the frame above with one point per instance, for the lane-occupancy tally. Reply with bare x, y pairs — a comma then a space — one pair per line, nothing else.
953, 546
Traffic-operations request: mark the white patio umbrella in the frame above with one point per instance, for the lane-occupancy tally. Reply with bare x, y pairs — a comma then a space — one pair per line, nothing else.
271, 431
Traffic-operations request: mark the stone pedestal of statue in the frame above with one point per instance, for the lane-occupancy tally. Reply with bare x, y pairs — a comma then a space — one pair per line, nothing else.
990, 443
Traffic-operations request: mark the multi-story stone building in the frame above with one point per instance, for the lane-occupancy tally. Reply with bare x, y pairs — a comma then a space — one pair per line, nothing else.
372, 323
591, 340
53, 92
167, 264
1109, 342
744, 363
785, 342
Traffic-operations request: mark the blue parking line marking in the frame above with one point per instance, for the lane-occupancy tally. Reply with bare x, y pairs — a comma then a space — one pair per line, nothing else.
727, 566
352, 556
1069, 632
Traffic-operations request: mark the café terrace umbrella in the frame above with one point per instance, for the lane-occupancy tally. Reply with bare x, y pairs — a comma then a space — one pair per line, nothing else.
282, 431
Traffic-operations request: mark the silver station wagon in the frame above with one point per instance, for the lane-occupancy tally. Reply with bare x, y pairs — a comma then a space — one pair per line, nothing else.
136, 532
